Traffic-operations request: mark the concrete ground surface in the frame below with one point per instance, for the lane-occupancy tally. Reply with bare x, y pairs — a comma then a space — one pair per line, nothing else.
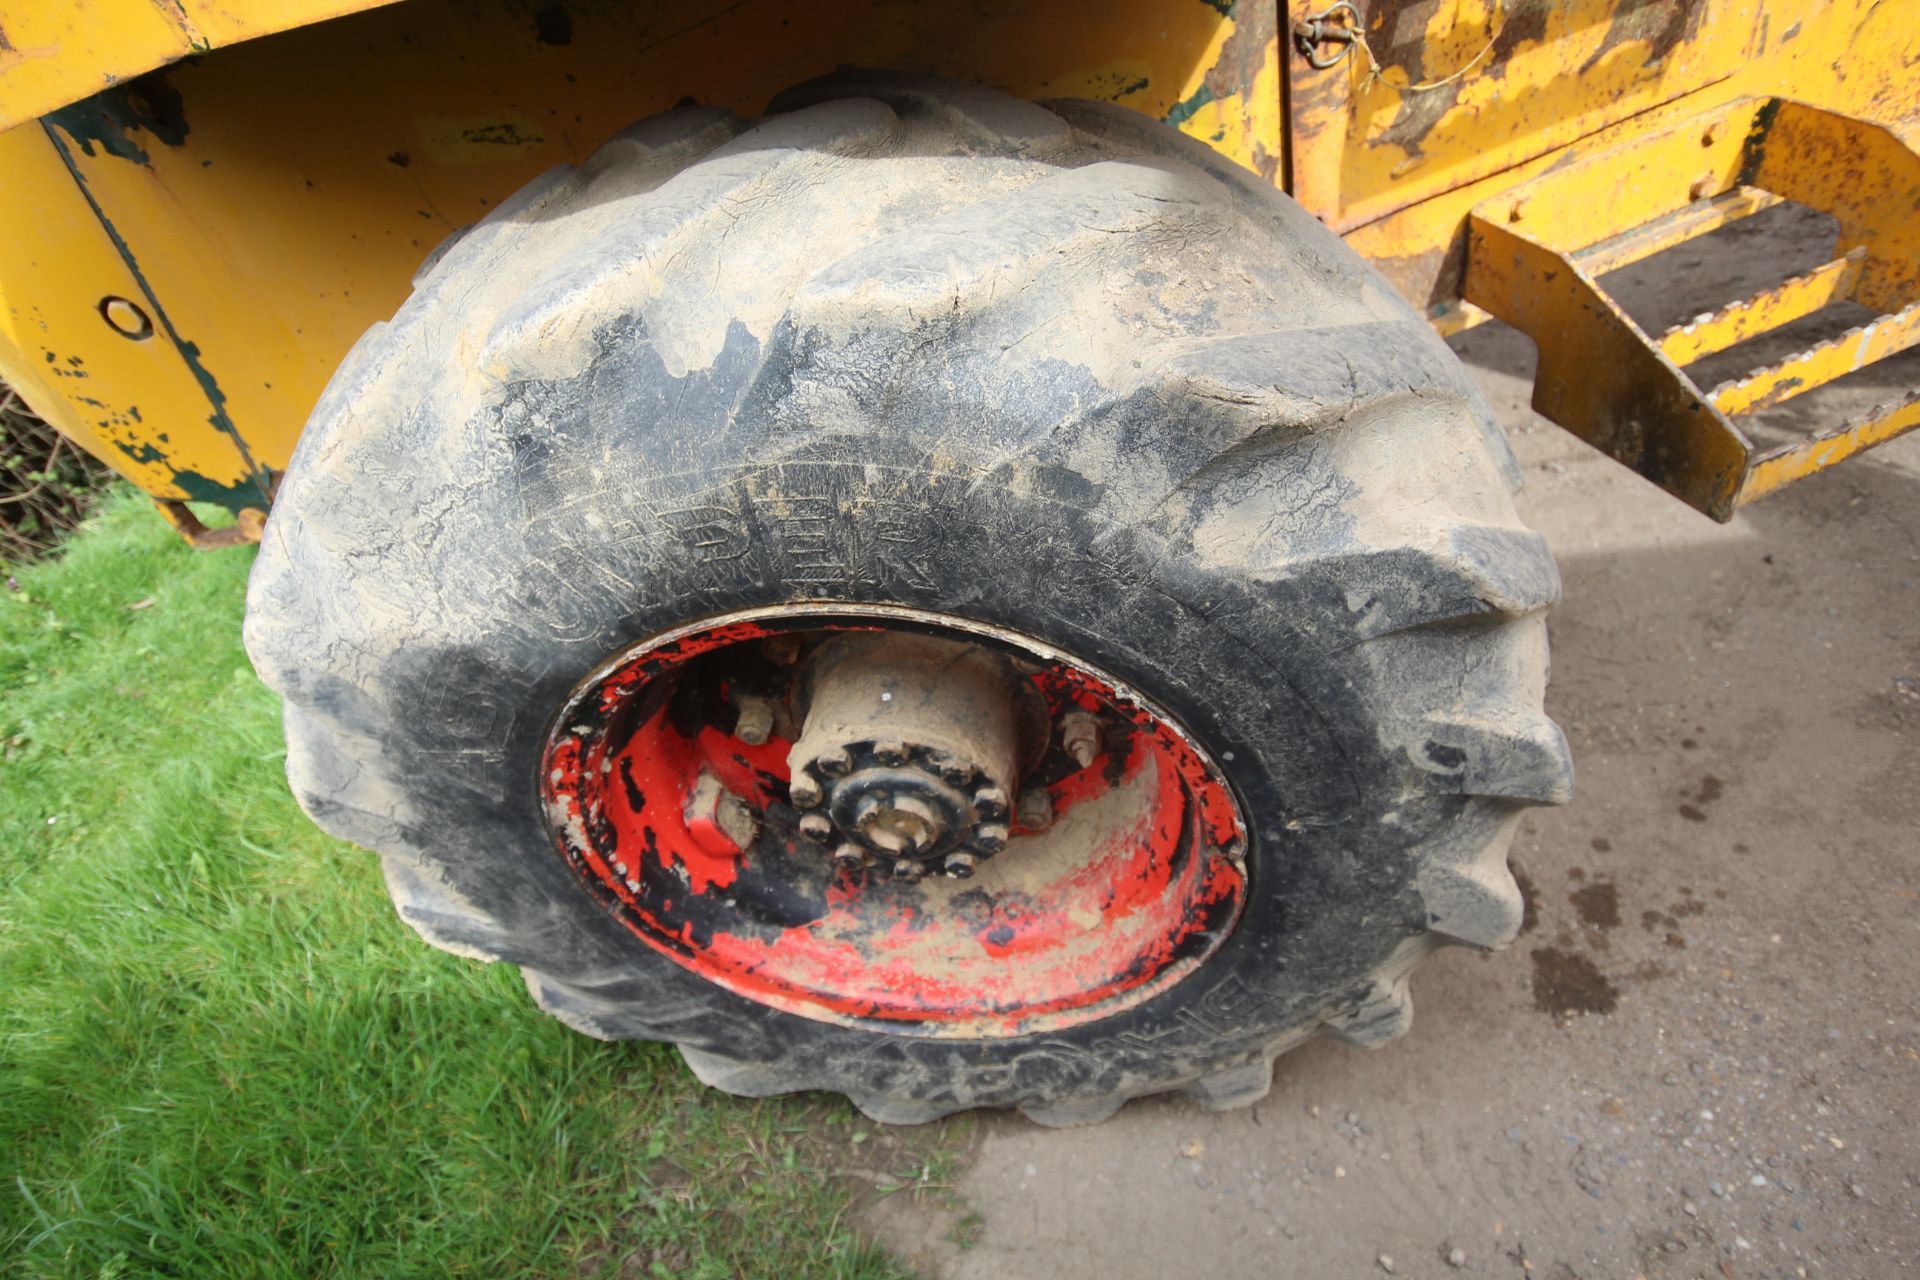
1701, 1056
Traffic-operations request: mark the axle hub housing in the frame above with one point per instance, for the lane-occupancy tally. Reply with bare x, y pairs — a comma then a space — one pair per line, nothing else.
909, 751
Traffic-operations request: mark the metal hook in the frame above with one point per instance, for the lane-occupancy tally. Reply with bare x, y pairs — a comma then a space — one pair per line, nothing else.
1320, 28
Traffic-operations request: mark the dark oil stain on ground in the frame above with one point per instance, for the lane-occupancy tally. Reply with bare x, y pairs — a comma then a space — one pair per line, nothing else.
1567, 982
1711, 789
1598, 904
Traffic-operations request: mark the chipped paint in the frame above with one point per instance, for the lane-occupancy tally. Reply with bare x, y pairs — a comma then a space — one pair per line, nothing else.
1125, 893
188, 352
109, 119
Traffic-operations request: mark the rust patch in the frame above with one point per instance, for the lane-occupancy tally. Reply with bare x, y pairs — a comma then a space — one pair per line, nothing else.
1663, 25
1567, 983
1233, 73
1404, 26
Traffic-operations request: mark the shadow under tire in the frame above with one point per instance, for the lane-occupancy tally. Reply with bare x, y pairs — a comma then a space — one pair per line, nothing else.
1048, 368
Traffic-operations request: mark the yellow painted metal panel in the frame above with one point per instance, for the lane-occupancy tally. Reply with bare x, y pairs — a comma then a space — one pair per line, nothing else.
54, 53
280, 194
134, 403
1854, 58
1443, 92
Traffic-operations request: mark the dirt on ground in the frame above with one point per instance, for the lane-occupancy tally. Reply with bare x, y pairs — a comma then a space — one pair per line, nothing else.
1701, 1057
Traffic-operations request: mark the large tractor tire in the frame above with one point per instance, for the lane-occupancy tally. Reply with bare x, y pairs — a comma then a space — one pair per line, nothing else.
953, 601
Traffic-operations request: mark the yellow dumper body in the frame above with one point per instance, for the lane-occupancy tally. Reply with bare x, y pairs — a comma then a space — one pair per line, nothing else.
208, 203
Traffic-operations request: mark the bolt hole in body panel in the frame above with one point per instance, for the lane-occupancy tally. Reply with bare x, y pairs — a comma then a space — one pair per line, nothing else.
1138, 874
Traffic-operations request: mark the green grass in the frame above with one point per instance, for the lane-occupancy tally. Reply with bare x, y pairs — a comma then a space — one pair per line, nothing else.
221, 1055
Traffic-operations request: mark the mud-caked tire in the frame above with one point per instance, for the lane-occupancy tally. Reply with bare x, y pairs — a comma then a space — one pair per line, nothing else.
1051, 368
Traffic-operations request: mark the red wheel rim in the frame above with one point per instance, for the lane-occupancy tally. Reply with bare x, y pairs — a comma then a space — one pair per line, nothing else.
1138, 879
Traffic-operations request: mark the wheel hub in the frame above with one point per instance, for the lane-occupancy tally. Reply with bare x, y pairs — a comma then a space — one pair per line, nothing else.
908, 751
871, 816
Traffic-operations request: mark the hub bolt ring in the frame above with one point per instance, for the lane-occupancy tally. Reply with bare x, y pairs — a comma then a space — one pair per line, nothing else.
902, 734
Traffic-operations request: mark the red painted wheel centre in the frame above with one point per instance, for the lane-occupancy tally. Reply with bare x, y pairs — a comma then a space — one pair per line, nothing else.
1112, 870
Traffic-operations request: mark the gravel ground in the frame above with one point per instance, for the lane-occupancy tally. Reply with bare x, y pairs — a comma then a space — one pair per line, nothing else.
1700, 1056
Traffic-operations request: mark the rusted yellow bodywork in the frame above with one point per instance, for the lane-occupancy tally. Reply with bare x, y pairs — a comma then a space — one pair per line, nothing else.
258, 206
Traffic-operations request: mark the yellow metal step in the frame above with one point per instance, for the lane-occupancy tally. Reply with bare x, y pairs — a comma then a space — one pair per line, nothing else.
1675, 228
1535, 255
1790, 300
1819, 364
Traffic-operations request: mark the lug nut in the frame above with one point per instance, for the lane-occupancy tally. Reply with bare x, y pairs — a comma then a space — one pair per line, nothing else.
849, 855
990, 838
719, 821
755, 722
816, 827
955, 772
961, 865
1036, 809
735, 817
804, 791
909, 870
834, 762
990, 802
1080, 735
890, 751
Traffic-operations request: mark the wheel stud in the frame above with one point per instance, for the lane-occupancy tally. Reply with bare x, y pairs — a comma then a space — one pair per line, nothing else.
960, 865
990, 802
850, 855
1080, 735
816, 827
834, 762
889, 751
909, 870
804, 791
755, 722
1036, 809
990, 837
